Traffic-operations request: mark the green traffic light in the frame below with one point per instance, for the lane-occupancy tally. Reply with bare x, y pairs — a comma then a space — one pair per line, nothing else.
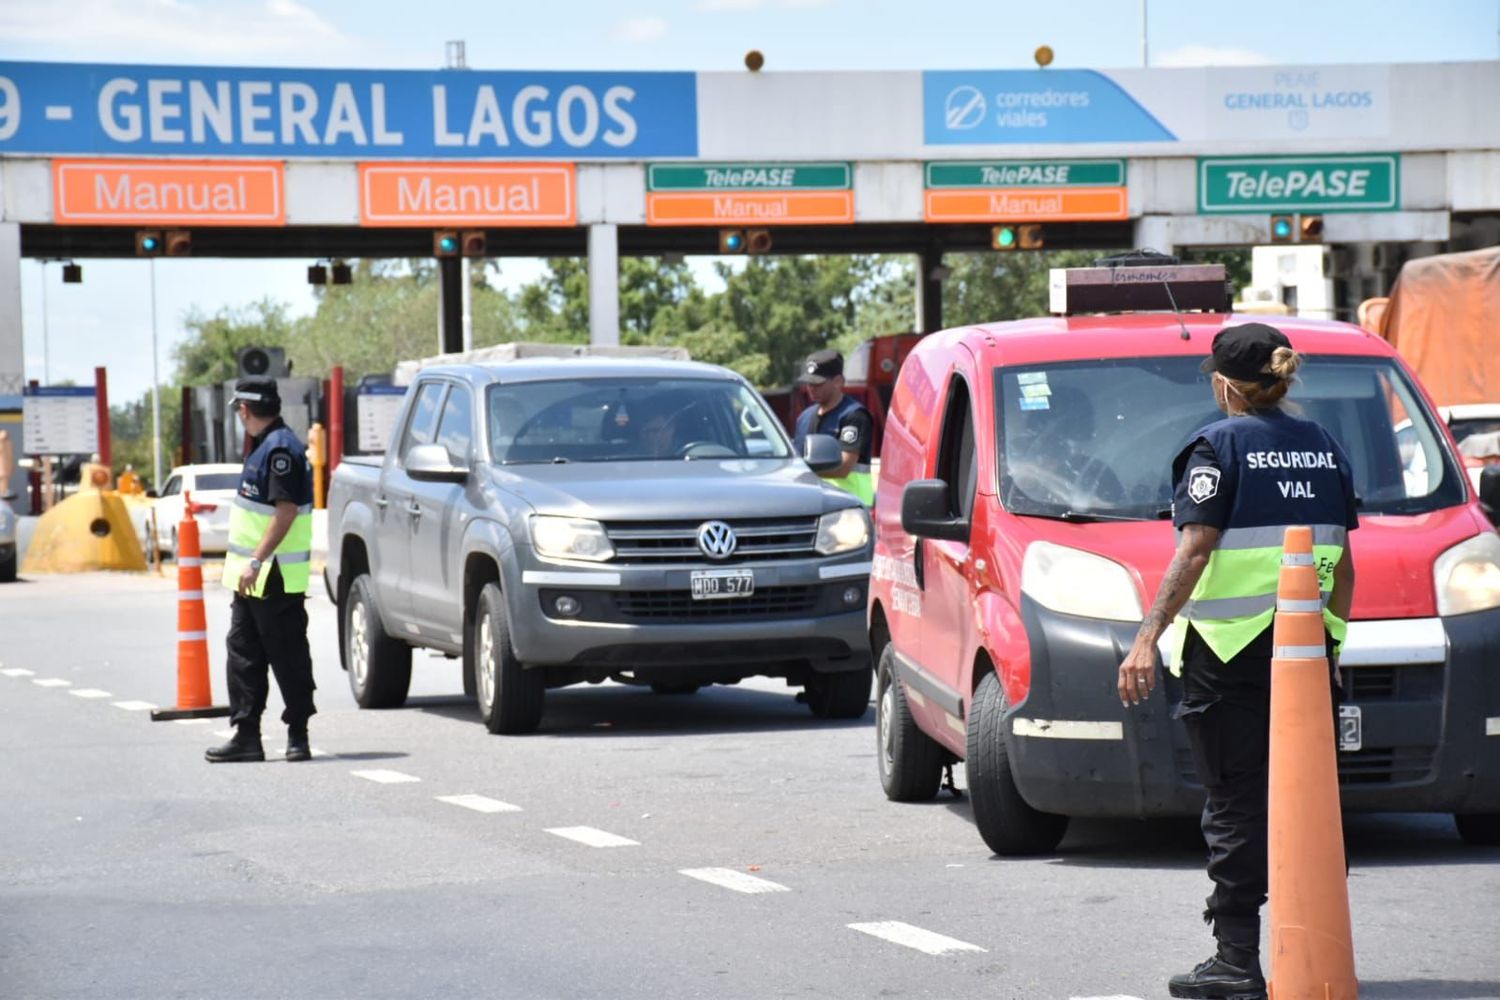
1283, 229
734, 241
1005, 238
149, 243
450, 245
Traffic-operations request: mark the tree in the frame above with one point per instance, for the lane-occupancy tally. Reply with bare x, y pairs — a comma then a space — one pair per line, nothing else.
990, 287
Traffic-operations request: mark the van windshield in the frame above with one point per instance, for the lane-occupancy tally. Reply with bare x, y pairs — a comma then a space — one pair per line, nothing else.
1098, 437
630, 420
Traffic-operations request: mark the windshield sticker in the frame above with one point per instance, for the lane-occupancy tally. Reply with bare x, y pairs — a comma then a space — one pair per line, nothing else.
1031, 378
1032, 391
1035, 403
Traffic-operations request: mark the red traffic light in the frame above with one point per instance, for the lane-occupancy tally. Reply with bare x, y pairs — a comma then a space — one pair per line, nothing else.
472, 243
178, 243
757, 241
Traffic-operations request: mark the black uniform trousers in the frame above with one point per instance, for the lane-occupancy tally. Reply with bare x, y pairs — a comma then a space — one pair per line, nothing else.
270, 630
1226, 708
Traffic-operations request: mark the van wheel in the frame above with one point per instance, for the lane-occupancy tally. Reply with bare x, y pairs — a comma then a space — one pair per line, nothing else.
510, 696
841, 695
1006, 822
911, 763
379, 666
675, 687
1479, 829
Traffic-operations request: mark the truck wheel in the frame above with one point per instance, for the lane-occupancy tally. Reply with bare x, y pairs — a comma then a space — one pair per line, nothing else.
675, 687
510, 696
911, 764
1006, 822
1479, 829
379, 666
841, 695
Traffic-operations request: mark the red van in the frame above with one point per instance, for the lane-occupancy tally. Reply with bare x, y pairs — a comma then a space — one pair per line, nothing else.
1023, 523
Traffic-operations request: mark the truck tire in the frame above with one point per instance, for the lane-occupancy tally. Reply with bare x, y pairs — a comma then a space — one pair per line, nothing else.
379, 666
910, 762
510, 696
1479, 829
1006, 822
841, 695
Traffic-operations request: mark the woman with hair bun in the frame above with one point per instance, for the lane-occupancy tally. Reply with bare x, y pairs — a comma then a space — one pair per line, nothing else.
1237, 486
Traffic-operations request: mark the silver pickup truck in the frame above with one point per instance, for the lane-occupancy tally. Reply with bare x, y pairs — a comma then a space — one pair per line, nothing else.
557, 521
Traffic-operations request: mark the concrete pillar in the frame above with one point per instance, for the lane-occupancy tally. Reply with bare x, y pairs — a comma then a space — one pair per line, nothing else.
930, 276
450, 305
12, 354
604, 284
1154, 232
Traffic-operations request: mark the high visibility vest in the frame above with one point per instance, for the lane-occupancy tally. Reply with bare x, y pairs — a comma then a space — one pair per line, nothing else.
860, 481
252, 513
1280, 471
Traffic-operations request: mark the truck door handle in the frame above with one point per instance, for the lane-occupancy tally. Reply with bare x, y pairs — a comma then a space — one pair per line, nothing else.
382, 502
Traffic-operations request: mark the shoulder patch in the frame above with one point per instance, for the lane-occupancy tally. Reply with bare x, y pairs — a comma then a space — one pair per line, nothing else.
1203, 483
849, 435
281, 463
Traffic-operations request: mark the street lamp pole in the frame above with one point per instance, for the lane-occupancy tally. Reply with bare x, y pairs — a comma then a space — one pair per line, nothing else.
1145, 52
46, 353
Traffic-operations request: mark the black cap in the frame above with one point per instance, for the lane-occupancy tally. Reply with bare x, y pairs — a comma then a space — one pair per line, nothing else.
821, 366
1243, 352
259, 389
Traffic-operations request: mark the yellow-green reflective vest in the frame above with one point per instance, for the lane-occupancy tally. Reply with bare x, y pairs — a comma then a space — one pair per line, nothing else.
860, 481
251, 516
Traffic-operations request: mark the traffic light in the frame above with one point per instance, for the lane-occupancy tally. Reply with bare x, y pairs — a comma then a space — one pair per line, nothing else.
317, 274
341, 273
757, 241
731, 241
1311, 227
178, 243
445, 243
72, 273
148, 243
472, 243
1282, 229
1027, 237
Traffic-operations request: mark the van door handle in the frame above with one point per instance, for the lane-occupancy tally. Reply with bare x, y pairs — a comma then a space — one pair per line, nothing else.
382, 502
414, 509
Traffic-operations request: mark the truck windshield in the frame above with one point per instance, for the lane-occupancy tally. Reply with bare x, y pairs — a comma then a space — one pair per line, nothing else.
630, 420
1098, 437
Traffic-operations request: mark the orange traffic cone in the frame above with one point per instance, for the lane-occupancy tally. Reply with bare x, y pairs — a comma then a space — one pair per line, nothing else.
1312, 947
194, 694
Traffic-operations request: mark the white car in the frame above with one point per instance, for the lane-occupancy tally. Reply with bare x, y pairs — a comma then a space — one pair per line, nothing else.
212, 488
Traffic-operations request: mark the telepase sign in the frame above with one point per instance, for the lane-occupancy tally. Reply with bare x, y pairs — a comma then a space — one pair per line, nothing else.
119, 110
1368, 183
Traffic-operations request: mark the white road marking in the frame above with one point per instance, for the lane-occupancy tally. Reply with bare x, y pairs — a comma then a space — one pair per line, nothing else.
193, 722
592, 837
479, 803
134, 706
729, 878
89, 693
385, 777
16, 672
51, 682
930, 942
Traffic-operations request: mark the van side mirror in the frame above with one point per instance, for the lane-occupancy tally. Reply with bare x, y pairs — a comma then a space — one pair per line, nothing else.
431, 463
152, 495
822, 452
926, 512
1489, 493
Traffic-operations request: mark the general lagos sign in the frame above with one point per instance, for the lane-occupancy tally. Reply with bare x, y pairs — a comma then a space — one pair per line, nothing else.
115, 110
1369, 183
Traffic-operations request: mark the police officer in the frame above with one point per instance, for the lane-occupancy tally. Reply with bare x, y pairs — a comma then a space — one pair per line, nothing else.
1237, 486
841, 416
267, 567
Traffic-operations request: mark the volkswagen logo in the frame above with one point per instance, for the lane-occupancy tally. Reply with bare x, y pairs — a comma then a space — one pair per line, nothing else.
716, 539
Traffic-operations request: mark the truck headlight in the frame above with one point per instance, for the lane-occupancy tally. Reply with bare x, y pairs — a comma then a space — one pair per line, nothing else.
570, 538
1075, 582
1467, 576
843, 531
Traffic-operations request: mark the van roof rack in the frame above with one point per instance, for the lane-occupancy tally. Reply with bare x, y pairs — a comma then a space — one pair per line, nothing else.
1139, 281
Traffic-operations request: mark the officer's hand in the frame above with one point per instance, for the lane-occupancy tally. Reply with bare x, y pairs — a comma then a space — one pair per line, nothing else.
1137, 675
247, 582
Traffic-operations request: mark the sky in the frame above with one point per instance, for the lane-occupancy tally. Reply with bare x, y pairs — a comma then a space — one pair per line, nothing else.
107, 319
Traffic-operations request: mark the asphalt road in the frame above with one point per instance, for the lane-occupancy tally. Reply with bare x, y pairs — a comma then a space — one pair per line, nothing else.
749, 850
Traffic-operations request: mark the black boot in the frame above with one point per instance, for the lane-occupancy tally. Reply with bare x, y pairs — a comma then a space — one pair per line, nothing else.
297, 747
1218, 979
243, 746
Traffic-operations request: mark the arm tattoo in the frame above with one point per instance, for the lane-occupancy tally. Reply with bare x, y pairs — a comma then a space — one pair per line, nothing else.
1181, 577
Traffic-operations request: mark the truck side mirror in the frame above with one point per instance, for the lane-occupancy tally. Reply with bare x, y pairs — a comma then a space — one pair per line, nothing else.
927, 512
822, 452
431, 463
1489, 493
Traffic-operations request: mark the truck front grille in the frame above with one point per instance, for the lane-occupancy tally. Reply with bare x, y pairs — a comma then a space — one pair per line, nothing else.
669, 606
759, 539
